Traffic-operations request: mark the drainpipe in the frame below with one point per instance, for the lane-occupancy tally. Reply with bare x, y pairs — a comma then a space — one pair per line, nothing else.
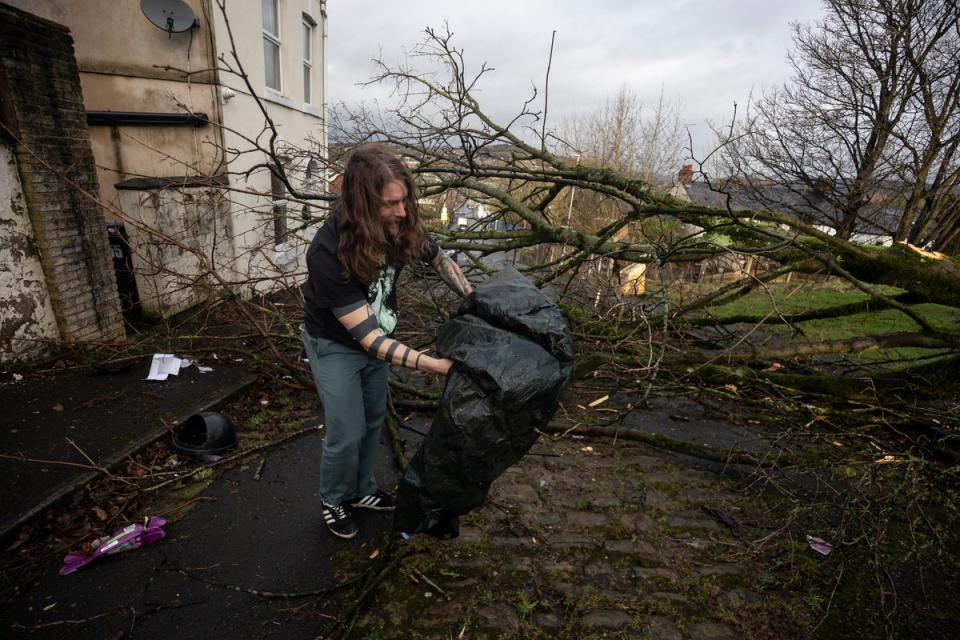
145, 119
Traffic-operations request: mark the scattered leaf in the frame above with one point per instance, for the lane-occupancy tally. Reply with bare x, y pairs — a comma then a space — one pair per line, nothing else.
57, 407
100, 513
885, 460
374, 554
776, 366
732, 388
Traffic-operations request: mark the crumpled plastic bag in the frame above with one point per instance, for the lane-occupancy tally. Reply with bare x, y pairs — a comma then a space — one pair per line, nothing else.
130, 537
513, 355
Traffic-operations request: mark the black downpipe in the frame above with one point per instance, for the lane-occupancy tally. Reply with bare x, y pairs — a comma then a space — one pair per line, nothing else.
145, 119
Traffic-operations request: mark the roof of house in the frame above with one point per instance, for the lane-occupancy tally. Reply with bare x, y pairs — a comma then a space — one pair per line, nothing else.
880, 217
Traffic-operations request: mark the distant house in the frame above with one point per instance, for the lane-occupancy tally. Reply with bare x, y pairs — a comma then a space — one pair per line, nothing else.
165, 132
475, 216
876, 224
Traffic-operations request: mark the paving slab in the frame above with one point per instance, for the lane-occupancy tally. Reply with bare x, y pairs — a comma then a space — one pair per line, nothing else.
686, 420
107, 416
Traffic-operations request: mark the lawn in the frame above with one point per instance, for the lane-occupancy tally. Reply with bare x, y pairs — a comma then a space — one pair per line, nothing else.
793, 298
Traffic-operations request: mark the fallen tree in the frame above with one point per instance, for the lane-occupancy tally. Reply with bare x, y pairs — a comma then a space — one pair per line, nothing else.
527, 178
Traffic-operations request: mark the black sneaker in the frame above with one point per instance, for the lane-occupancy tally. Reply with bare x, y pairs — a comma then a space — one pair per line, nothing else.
379, 501
339, 520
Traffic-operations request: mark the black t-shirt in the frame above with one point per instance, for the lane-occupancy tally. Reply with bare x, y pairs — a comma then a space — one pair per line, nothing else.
325, 289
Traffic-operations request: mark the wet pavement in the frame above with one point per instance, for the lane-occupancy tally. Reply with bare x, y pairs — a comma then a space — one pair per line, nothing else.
62, 426
583, 538
232, 567
596, 538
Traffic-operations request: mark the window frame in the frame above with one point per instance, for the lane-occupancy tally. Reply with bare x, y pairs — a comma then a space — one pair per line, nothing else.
310, 27
310, 180
278, 209
274, 39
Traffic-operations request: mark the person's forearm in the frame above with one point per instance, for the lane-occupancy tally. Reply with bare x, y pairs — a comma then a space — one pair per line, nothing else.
361, 322
449, 271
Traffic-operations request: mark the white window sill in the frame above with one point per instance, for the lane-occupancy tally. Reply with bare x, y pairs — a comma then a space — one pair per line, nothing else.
276, 98
284, 254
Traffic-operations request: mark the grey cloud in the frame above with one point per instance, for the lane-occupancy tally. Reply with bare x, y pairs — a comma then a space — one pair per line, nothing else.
704, 54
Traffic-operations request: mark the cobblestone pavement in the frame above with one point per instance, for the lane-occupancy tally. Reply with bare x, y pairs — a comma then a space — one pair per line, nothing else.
590, 539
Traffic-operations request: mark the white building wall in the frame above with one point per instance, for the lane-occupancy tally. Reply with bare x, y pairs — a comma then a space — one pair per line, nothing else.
260, 265
27, 320
117, 78
179, 238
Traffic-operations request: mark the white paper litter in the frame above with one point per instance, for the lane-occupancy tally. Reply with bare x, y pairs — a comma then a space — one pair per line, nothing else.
163, 365
203, 369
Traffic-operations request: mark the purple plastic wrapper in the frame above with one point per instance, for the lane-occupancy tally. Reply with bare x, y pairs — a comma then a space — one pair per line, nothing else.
819, 545
130, 537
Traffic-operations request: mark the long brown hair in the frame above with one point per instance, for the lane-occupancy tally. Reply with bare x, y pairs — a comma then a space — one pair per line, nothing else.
363, 243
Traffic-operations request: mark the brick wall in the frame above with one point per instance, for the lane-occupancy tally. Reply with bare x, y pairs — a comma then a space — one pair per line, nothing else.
44, 100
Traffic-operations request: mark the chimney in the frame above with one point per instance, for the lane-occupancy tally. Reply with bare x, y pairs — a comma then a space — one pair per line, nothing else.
685, 175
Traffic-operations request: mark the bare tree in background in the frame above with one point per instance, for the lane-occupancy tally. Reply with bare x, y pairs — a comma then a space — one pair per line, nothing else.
928, 136
628, 136
868, 122
646, 141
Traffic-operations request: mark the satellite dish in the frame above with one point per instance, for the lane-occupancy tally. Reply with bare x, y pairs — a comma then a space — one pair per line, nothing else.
173, 16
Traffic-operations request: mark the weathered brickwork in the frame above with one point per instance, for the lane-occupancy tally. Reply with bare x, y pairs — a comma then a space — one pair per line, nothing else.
43, 95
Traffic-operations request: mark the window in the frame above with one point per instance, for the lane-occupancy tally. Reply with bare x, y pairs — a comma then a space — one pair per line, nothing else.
271, 43
310, 186
308, 28
279, 194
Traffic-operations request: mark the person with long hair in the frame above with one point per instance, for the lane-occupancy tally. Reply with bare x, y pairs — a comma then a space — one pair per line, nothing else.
350, 311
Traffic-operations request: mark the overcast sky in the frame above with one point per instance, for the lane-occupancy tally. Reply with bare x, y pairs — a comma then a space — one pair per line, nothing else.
706, 54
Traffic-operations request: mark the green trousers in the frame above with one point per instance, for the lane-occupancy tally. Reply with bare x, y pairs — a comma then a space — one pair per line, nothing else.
353, 389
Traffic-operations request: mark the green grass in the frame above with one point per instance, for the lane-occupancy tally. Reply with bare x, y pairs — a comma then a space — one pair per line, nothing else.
881, 322
792, 298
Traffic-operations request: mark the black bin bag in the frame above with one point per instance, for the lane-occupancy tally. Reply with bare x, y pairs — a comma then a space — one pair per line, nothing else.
513, 354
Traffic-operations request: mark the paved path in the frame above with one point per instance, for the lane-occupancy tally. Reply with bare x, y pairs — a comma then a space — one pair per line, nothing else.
588, 539
584, 538
107, 417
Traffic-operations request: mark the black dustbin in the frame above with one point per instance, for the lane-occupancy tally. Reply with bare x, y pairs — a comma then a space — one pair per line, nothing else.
123, 265
205, 433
